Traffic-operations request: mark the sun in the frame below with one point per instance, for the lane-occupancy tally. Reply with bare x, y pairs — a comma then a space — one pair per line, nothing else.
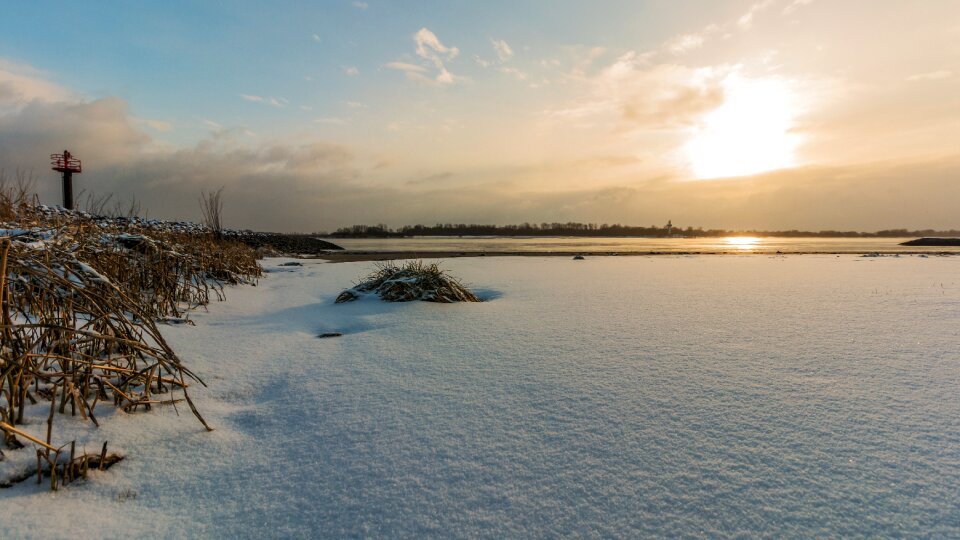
749, 134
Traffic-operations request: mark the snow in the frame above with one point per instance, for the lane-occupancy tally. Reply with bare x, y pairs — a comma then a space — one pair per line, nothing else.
630, 397
40, 237
97, 276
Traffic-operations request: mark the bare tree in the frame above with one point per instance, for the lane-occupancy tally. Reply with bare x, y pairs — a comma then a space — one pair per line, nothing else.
211, 204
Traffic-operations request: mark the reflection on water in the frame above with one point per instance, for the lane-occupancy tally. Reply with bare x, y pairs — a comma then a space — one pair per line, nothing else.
742, 242
638, 245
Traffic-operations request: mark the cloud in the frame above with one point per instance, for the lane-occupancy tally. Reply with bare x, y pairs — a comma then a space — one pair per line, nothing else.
361, 5
21, 84
685, 42
407, 67
583, 60
503, 50
642, 97
351, 71
931, 76
445, 77
316, 37
745, 22
482, 62
269, 187
413, 72
431, 50
431, 179
99, 131
157, 125
795, 5
265, 183
859, 197
272, 101
273, 187
331, 120
215, 126
518, 74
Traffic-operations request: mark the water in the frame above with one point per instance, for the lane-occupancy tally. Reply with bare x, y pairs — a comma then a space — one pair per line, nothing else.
638, 245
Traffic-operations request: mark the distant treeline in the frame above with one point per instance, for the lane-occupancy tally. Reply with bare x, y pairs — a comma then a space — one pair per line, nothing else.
593, 229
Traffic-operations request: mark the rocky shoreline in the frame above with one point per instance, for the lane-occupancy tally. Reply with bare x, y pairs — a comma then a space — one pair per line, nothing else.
291, 244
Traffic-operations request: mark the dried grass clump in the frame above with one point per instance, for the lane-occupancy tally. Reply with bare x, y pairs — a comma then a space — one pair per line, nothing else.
15, 194
414, 280
79, 303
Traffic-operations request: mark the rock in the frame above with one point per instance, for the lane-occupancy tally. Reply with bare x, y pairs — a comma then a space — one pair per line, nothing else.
578, 257
329, 334
292, 263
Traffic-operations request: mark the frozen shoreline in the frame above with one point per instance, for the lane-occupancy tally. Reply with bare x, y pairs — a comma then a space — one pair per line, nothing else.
634, 396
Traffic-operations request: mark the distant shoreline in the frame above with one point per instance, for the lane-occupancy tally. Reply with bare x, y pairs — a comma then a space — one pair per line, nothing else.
378, 255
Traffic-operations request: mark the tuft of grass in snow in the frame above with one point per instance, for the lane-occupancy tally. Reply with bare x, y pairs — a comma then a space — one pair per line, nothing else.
414, 280
79, 305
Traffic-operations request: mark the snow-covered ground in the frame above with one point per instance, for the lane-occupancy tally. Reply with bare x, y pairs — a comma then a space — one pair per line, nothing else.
626, 397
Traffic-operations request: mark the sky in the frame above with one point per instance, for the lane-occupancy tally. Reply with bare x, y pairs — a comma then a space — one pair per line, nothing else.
738, 114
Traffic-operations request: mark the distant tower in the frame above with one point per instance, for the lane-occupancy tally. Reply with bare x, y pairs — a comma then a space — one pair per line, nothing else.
67, 164
669, 227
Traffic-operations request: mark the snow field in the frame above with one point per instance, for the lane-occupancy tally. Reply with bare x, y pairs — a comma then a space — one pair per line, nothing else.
619, 396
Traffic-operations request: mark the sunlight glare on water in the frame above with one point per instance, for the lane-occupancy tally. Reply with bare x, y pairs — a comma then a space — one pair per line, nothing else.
745, 243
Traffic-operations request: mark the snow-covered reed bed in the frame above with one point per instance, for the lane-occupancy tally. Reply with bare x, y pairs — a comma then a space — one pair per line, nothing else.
78, 319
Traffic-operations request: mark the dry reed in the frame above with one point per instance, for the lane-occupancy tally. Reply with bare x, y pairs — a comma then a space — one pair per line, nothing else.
414, 280
79, 301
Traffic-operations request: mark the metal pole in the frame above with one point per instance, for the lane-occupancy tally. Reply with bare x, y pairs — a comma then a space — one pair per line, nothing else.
68, 190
